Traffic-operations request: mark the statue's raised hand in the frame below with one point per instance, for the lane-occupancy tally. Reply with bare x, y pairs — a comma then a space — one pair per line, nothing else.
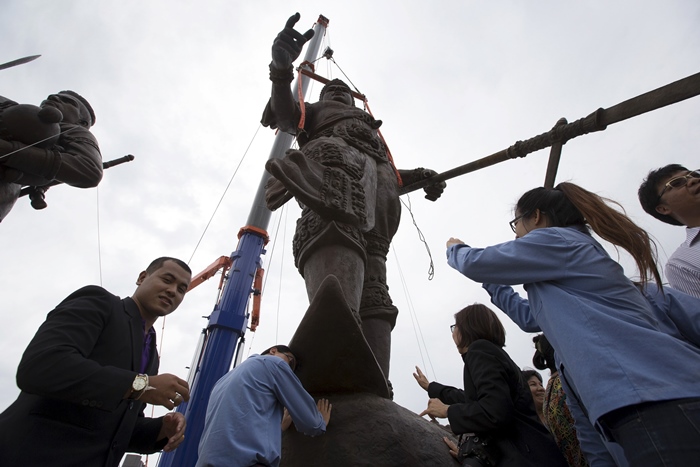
288, 44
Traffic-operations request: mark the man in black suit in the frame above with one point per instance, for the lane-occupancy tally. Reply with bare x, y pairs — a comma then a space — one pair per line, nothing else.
89, 371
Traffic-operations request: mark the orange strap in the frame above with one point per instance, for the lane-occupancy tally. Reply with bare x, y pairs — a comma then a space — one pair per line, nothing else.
302, 120
388, 152
300, 93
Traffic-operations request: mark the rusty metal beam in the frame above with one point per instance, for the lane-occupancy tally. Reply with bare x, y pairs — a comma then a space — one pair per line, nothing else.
597, 121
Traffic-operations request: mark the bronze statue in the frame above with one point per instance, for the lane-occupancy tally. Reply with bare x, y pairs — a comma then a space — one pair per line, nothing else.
39, 145
348, 189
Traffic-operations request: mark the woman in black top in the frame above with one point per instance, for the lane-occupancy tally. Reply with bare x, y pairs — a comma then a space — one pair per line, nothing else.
494, 413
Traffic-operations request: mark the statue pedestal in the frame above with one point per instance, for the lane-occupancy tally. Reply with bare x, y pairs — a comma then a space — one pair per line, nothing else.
366, 427
369, 430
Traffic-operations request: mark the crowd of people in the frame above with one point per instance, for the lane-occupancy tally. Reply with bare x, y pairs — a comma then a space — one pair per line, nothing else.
624, 382
623, 387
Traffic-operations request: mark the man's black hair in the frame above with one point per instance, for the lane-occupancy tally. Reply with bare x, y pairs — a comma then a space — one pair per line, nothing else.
280, 348
158, 263
649, 196
286, 350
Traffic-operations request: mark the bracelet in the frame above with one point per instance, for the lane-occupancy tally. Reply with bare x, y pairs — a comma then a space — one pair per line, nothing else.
285, 76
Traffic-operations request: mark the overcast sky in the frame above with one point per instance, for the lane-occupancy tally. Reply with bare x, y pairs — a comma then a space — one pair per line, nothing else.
182, 85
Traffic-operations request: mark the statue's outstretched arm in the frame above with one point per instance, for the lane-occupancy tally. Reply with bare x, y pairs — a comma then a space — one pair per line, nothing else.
76, 160
432, 192
282, 111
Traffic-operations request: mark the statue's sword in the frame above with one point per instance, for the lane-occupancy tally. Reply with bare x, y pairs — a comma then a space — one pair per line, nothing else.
19, 61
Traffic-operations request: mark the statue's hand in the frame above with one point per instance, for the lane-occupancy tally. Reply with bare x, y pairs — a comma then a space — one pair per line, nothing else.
288, 44
434, 191
9, 175
276, 195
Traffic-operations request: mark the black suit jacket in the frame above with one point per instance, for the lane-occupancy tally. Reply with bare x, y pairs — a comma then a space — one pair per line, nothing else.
73, 376
497, 403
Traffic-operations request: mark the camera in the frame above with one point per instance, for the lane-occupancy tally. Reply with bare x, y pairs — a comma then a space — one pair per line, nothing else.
478, 451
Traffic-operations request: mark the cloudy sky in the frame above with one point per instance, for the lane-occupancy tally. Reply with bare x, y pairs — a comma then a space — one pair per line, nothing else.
181, 86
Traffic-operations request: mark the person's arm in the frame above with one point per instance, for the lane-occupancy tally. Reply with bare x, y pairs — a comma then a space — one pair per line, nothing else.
282, 111
447, 394
75, 160
147, 436
513, 305
681, 276
681, 308
56, 364
301, 406
541, 255
493, 408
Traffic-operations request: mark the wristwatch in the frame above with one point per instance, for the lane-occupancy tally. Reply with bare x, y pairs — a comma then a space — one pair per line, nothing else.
139, 386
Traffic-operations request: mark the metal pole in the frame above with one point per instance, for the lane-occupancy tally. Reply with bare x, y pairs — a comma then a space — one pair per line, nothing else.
228, 321
554, 156
597, 121
259, 215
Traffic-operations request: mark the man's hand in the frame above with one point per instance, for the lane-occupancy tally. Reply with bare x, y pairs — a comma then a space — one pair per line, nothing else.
454, 450
288, 44
174, 429
168, 391
421, 379
453, 241
325, 408
436, 409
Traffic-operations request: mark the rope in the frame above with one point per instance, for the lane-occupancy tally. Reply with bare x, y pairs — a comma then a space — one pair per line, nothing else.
38, 142
279, 290
431, 268
388, 151
346, 76
224, 194
414, 319
379, 132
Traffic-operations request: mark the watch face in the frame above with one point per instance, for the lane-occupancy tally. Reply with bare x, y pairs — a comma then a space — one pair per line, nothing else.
139, 383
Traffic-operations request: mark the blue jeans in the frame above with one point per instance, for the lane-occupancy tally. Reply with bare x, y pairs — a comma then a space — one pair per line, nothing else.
665, 433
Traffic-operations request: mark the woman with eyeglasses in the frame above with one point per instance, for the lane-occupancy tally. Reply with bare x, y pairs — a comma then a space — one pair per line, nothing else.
494, 414
637, 378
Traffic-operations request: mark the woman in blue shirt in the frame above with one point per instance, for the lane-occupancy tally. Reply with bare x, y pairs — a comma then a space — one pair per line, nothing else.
637, 379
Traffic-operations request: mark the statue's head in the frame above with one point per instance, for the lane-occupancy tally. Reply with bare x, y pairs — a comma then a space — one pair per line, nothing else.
337, 90
74, 107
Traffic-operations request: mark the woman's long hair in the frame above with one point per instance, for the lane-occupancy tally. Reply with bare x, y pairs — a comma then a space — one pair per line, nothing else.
568, 204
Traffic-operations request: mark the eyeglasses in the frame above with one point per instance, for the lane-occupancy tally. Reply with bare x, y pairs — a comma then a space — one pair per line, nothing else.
514, 222
292, 360
452, 327
678, 182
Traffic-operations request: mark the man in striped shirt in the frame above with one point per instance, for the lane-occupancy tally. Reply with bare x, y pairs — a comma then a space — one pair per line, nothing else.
672, 195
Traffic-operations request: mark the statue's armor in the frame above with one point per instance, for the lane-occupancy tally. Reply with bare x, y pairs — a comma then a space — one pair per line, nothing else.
356, 208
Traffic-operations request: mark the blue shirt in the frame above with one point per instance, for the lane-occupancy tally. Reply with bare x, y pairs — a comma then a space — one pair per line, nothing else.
614, 350
244, 414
